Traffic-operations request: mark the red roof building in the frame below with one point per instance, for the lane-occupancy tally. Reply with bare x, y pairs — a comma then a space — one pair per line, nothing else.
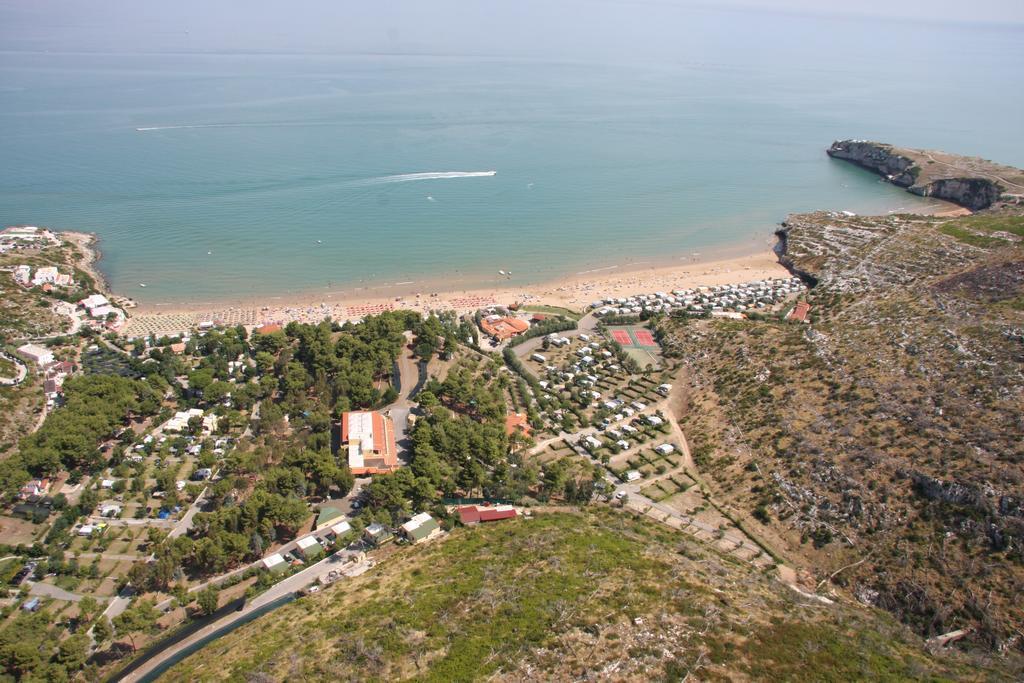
503, 328
800, 311
474, 514
369, 440
517, 422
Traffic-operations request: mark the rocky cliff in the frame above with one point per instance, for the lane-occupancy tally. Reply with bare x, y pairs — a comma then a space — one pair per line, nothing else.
972, 183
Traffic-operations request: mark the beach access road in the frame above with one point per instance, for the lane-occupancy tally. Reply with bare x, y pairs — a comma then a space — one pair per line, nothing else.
407, 368
291, 584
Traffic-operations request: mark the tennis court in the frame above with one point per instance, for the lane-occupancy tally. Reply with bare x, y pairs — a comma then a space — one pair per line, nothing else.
639, 343
644, 338
622, 337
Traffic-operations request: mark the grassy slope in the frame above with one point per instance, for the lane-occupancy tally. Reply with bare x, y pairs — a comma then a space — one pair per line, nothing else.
558, 597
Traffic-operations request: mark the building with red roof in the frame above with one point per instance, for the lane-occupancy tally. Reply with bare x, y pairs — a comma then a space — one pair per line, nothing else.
369, 442
474, 514
269, 328
517, 422
799, 312
501, 329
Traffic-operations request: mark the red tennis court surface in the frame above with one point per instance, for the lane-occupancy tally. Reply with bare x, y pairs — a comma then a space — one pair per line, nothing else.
644, 338
622, 337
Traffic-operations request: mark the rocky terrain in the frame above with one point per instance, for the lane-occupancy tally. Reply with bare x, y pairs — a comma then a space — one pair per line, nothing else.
968, 181
880, 444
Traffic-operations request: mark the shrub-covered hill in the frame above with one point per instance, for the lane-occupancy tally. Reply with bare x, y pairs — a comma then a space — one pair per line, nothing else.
597, 595
881, 444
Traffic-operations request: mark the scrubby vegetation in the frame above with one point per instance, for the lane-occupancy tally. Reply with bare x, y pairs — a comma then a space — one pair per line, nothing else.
882, 441
562, 597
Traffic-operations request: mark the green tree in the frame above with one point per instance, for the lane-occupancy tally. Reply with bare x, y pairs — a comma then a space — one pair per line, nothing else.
207, 601
88, 607
73, 651
139, 619
102, 631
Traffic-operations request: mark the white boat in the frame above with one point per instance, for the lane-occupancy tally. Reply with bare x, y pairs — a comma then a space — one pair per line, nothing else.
142, 284
501, 272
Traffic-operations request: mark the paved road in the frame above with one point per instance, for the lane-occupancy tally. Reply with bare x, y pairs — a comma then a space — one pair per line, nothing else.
408, 380
50, 591
20, 371
291, 584
185, 523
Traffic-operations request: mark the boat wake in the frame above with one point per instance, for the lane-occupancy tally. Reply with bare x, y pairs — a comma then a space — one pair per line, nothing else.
146, 129
437, 175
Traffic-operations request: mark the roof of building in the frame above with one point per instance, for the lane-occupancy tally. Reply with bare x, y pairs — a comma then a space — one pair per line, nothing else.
177, 347
420, 526
504, 328
94, 300
327, 515
35, 350
271, 561
341, 528
377, 530
800, 311
369, 436
517, 422
306, 542
471, 514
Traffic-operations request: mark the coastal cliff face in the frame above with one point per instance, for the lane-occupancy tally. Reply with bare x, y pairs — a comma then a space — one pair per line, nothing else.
877, 157
920, 173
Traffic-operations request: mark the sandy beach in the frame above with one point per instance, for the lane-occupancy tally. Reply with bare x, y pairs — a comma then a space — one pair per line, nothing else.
572, 292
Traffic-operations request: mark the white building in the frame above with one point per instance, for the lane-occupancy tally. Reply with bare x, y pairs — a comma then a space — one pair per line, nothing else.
23, 274
665, 449
45, 275
39, 355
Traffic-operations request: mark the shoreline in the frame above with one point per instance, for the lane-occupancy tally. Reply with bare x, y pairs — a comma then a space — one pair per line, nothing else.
574, 292
754, 259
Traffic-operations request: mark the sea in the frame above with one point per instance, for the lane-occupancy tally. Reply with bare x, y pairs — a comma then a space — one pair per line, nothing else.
219, 176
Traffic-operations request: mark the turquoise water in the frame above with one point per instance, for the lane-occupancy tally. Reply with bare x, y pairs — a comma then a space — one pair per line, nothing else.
263, 174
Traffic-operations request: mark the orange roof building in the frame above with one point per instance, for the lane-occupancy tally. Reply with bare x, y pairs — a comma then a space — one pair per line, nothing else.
369, 441
800, 311
269, 328
503, 328
517, 422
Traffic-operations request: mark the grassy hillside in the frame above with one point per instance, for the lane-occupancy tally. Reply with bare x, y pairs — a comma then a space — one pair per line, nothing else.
884, 437
563, 596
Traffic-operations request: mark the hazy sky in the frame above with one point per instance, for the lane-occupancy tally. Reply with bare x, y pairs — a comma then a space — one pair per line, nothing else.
645, 29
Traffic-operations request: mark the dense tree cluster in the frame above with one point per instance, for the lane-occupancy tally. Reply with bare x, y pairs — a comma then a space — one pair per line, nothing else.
97, 406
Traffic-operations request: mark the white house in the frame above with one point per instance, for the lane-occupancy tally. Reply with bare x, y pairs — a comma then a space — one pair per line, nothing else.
94, 301
23, 274
665, 449
39, 355
633, 475
45, 275
110, 510
655, 421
